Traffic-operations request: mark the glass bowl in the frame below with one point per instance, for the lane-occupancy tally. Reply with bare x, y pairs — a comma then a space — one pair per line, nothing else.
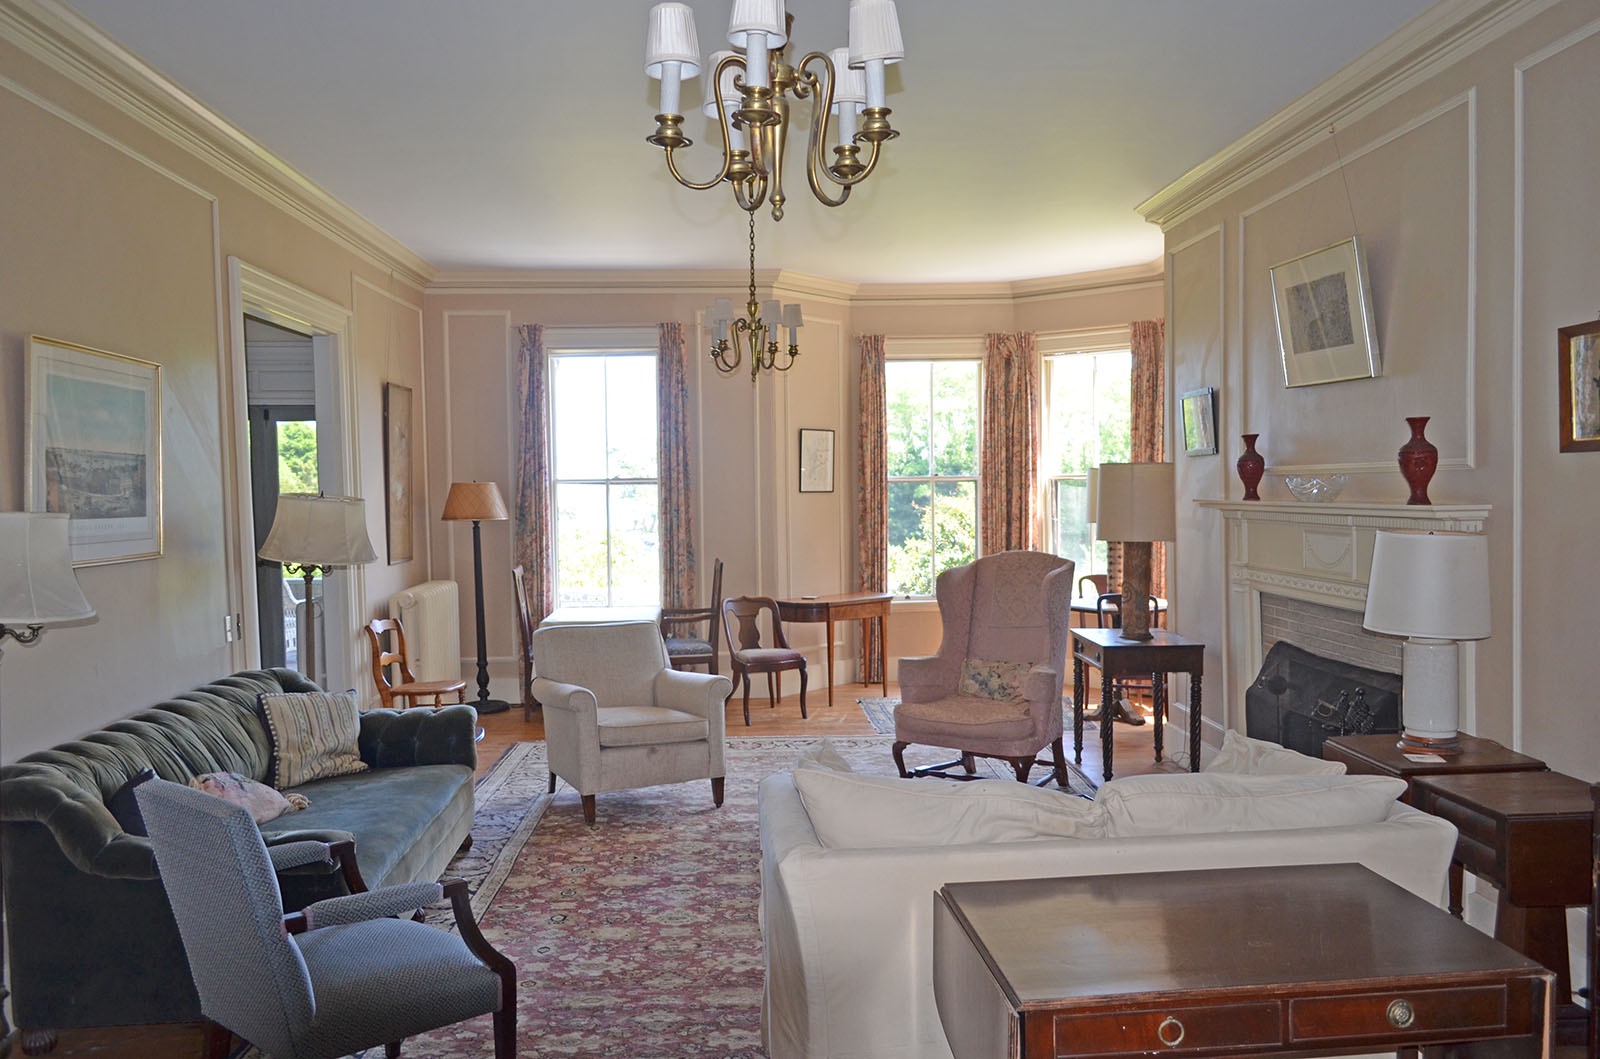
1315, 489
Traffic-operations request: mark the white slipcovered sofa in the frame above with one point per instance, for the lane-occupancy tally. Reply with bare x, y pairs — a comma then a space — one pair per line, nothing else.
850, 864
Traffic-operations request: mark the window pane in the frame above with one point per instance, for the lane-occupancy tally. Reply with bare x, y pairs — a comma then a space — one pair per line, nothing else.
910, 541
635, 563
631, 418
297, 456
1072, 524
580, 544
955, 525
955, 417
577, 429
906, 405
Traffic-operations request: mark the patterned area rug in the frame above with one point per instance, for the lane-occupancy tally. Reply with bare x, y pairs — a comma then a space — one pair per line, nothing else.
880, 712
635, 938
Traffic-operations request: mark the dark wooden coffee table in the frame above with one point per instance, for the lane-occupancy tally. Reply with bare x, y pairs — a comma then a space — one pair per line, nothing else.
1243, 961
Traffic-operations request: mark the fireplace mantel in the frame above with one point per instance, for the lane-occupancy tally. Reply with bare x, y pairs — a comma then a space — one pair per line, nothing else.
1321, 553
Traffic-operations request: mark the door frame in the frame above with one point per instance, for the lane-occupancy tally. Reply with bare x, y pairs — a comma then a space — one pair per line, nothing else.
258, 293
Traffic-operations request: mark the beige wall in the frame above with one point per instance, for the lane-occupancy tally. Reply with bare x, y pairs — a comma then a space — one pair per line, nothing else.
1473, 194
113, 237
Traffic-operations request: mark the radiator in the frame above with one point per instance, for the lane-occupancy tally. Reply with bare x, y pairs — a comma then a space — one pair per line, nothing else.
432, 621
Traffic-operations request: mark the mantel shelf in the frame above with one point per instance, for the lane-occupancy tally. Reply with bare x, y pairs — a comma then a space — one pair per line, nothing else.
1439, 512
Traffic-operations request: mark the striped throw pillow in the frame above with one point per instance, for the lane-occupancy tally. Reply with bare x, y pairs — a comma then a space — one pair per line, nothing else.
313, 734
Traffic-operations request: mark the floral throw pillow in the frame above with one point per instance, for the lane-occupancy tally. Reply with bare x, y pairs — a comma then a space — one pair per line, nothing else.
314, 735
262, 802
993, 680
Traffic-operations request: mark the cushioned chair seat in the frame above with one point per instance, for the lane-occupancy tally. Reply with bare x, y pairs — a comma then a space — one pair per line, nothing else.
758, 655
972, 714
647, 725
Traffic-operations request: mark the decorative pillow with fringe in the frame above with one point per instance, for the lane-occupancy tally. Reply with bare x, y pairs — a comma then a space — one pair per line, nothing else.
314, 735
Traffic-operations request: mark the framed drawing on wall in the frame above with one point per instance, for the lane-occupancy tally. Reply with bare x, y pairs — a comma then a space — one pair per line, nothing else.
1324, 314
1200, 422
1579, 349
816, 461
93, 448
397, 471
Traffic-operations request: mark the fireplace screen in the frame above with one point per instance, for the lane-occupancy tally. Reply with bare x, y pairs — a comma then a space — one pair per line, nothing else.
1299, 699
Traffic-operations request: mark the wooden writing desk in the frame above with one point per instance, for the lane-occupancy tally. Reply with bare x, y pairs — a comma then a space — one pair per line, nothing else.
1244, 961
845, 606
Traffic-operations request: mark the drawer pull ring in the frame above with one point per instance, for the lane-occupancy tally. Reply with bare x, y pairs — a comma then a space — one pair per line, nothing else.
1400, 1014
1170, 1031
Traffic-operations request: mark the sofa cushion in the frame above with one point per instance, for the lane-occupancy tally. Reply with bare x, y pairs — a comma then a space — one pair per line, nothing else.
1243, 755
851, 811
315, 734
648, 726
1210, 802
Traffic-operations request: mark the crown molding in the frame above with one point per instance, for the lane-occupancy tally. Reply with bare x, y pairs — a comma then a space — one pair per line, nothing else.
700, 284
1080, 284
74, 48
1435, 39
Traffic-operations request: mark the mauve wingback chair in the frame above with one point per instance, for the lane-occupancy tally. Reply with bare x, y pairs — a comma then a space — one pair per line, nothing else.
340, 976
994, 687
618, 716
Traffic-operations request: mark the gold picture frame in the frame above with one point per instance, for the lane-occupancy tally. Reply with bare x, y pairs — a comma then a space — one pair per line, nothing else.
1578, 348
93, 448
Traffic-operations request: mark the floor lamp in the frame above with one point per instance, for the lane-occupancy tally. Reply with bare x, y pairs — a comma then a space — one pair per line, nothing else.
313, 534
1136, 506
1431, 587
480, 502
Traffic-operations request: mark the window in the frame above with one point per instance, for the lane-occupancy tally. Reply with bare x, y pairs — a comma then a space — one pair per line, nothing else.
603, 441
1088, 420
932, 457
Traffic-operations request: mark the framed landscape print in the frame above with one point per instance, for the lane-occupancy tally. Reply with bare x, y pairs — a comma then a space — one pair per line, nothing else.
1200, 422
1579, 403
816, 461
1324, 313
93, 448
397, 471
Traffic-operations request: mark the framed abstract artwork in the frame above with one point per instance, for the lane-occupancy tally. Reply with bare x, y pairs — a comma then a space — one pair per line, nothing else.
1324, 314
816, 461
1579, 401
93, 448
397, 504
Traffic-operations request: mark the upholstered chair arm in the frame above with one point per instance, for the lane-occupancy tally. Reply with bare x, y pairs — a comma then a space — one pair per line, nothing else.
402, 900
570, 697
702, 694
295, 854
1041, 684
928, 678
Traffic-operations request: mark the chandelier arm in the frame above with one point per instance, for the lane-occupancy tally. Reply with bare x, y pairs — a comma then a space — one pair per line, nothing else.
672, 167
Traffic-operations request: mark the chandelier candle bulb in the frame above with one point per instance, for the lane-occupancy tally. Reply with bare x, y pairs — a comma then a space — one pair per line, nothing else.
791, 320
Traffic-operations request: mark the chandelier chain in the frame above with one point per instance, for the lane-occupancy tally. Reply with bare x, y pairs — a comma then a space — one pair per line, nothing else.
753, 257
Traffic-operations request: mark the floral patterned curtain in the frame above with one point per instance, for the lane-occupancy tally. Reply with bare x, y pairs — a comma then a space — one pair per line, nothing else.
872, 496
675, 495
533, 520
1010, 441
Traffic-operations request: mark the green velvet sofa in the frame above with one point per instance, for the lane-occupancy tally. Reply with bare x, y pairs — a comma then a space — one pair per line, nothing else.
92, 938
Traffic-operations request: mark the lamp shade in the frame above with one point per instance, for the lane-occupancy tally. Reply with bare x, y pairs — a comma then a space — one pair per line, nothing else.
314, 530
849, 83
1136, 502
479, 501
671, 38
875, 32
37, 585
1429, 583
1093, 497
750, 18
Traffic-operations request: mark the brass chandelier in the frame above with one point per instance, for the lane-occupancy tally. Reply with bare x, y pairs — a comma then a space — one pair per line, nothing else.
752, 88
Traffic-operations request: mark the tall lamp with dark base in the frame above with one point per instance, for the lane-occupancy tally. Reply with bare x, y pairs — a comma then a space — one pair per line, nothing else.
1136, 506
479, 502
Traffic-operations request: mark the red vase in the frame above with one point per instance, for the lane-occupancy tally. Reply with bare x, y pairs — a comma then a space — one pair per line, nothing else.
1252, 465
1418, 460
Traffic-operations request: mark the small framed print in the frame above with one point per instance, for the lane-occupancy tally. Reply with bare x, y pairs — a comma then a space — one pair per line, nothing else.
1324, 311
1200, 422
1579, 401
93, 448
397, 471
816, 461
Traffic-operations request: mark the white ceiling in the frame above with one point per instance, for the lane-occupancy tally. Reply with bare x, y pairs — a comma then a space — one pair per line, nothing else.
496, 134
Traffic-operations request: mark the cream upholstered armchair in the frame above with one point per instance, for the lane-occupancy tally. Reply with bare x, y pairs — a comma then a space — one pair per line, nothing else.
994, 688
617, 715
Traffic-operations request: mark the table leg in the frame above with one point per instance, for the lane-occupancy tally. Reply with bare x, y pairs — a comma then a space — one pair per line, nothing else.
1079, 690
1195, 715
1540, 934
883, 647
1158, 706
1456, 872
1108, 713
830, 660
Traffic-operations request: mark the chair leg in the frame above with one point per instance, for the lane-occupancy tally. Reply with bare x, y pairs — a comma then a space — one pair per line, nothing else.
772, 690
505, 1028
899, 751
218, 1041
392, 1050
716, 791
1058, 748
1022, 766
747, 698
802, 693
552, 783
588, 809
969, 762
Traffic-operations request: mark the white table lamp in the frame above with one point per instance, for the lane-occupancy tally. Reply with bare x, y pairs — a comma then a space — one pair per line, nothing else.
1432, 587
1135, 505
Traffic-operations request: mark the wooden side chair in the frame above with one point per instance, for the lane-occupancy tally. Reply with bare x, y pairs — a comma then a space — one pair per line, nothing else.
525, 642
408, 686
743, 613
692, 649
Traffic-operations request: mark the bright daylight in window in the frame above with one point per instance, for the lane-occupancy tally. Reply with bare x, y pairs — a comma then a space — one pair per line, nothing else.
1087, 423
603, 432
932, 461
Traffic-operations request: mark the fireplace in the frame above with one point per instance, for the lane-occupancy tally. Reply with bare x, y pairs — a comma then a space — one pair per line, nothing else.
1297, 574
